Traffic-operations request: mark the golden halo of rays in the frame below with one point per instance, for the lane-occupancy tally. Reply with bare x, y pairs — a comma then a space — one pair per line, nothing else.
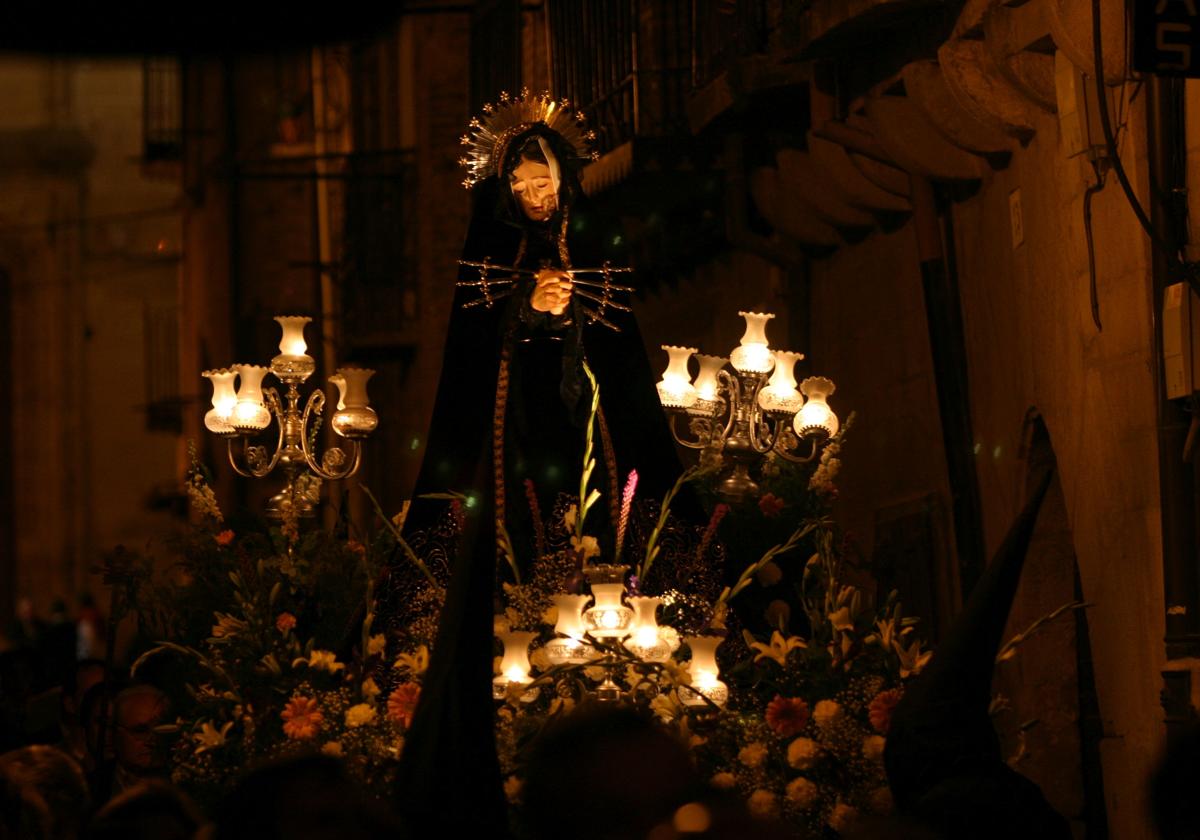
488, 135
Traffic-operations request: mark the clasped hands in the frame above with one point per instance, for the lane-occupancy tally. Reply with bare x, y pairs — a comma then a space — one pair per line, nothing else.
552, 291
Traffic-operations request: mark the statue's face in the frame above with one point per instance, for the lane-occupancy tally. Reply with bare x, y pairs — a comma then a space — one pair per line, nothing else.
534, 190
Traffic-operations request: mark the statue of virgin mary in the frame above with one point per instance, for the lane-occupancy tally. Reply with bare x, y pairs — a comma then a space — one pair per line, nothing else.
512, 406
513, 401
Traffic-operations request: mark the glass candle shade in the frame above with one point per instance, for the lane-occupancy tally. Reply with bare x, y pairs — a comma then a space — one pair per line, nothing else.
514, 665
293, 362
707, 385
339, 381
354, 418
249, 412
816, 418
647, 642
224, 399
609, 618
569, 647
753, 355
675, 388
780, 394
706, 674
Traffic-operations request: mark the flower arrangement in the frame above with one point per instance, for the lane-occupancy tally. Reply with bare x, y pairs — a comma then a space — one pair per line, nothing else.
275, 647
267, 668
800, 732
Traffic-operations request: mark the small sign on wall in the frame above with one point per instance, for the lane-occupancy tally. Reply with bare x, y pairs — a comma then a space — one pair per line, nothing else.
1166, 37
1016, 221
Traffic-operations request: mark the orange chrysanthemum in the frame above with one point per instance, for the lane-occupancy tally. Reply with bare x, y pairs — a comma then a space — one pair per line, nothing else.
787, 715
402, 702
224, 538
302, 718
881, 709
284, 622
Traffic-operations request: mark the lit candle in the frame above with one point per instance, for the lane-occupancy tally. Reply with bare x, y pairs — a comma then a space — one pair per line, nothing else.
707, 384
675, 389
705, 673
609, 618
816, 418
647, 642
753, 355
569, 647
781, 394
249, 413
293, 364
292, 343
514, 666
224, 399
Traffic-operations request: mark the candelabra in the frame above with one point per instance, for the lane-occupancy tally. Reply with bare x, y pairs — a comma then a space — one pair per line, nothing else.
239, 414
610, 634
742, 415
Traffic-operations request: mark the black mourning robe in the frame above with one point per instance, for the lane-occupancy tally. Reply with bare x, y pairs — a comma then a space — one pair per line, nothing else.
449, 776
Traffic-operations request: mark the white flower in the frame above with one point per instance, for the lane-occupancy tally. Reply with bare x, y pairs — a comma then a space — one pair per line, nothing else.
666, 706
359, 715
763, 804
569, 517
802, 793
842, 818
753, 755
376, 644
370, 689
803, 753
587, 546
723, 781
321, 660
227, 626
209, 737
827, 714
872, 747
415, 663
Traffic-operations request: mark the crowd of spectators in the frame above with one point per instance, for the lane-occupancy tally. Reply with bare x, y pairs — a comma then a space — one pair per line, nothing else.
84, 757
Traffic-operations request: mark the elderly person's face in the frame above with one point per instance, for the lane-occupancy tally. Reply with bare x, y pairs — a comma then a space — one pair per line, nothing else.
534, 189
135, 744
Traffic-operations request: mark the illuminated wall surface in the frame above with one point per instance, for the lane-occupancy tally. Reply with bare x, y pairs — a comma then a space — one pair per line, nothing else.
91, 257
744, 178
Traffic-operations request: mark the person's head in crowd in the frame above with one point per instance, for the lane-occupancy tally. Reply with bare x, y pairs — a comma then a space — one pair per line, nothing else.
150, 810
57, 780
85, 674
1174, 783
58, 611
137, 747
95, 716
304, 798
613, 763
23, 813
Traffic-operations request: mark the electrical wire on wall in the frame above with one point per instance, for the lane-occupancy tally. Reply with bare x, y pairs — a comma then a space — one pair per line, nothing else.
1100, 168
1173, 255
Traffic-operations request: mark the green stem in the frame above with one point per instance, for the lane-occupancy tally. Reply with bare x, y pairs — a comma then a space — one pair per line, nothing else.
652, 546
400, 541
586, 500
